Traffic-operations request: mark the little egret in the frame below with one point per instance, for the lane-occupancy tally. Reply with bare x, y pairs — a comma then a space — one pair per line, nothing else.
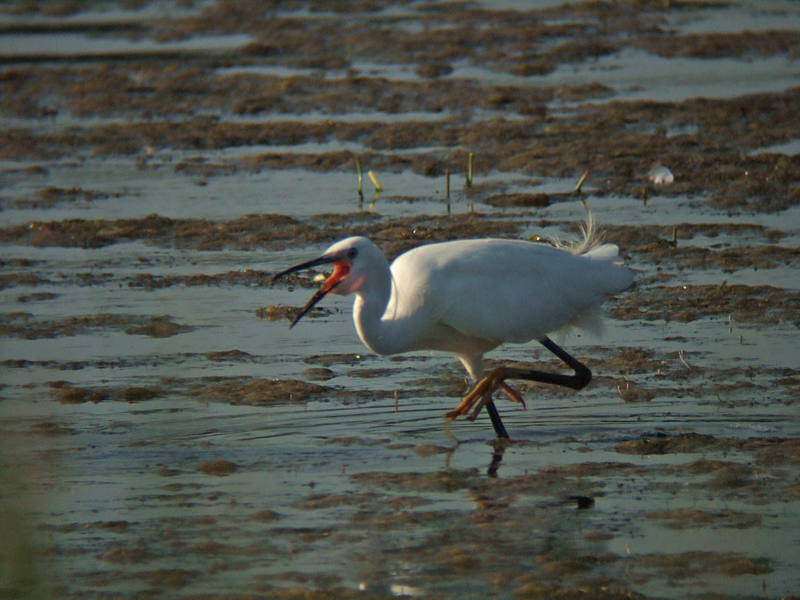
469, 297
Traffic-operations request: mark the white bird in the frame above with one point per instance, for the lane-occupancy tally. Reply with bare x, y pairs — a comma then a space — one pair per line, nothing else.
469, 297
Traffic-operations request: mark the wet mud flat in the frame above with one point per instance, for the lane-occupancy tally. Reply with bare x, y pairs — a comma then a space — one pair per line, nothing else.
162, 434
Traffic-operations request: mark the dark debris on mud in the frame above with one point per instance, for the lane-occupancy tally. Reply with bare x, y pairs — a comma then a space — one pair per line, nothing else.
251, 232
260, 391
27, 326
686, 303
694, 442
716, 162
65, 392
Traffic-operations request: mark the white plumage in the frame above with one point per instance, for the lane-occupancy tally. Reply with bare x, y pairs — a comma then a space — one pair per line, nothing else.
469, 297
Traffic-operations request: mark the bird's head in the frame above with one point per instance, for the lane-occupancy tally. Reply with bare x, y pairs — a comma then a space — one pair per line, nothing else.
351, 259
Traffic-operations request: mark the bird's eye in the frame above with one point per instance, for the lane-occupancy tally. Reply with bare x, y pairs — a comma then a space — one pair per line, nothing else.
352, 253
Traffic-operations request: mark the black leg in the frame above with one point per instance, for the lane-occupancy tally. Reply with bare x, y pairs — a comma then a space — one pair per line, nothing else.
482, 392
578, 381
497, 422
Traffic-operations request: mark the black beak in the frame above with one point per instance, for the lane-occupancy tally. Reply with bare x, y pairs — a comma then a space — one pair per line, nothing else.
341, 271
322, 260
318, 295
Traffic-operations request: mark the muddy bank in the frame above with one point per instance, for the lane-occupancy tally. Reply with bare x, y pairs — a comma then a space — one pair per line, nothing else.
673, 245
707, 144
274, 232
687, 303
27, 326
153, 107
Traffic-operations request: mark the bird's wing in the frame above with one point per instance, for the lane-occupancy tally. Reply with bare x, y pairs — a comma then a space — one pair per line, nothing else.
503, 290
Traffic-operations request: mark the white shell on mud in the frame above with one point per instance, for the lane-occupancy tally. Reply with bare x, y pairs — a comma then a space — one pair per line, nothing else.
660, 174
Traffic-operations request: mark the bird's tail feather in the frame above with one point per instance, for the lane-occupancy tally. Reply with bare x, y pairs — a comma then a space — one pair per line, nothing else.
591, 245
615, 277
589, 242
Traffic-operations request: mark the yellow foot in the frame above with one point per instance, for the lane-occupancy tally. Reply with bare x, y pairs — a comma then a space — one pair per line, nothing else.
512, 394
481, 395
483, 387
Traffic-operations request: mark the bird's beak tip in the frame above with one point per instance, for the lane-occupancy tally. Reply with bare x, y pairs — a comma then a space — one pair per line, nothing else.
330, 282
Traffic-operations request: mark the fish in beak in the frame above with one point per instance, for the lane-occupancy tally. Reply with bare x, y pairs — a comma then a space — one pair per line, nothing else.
340, 271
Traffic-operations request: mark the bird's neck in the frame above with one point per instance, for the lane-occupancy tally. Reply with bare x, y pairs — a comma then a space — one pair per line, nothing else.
382, 336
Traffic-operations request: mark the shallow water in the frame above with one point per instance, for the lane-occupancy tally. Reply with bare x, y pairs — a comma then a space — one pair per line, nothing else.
160, 439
